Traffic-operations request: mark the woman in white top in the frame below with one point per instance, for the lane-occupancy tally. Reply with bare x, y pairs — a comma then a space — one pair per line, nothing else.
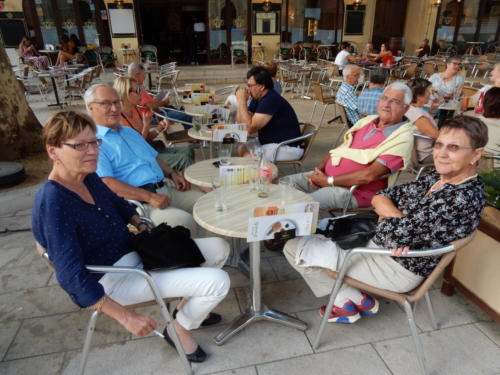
344, 57
423, 119
448, 84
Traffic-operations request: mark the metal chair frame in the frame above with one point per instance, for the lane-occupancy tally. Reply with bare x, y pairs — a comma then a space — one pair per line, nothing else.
154, 289
320, 98
404, 299
309, 132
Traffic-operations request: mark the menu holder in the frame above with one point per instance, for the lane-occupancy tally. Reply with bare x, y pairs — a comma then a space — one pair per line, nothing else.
229, 133
200, 98
235, 174
285, 222
217, 111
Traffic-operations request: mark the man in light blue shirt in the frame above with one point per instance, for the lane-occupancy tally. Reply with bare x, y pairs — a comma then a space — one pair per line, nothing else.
368, 99
346, 95
130, 166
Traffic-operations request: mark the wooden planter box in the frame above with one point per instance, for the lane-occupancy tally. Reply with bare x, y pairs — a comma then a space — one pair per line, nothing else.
476, 268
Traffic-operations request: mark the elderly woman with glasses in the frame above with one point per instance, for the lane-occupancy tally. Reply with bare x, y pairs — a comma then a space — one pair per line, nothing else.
80, 222
441, 207
129, 91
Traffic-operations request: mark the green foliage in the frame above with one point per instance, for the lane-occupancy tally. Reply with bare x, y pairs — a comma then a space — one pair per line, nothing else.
492, 187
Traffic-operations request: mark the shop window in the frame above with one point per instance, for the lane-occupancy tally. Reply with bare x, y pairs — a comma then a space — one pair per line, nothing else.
47, 21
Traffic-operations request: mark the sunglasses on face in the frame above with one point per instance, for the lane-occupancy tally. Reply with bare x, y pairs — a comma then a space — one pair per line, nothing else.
449, 147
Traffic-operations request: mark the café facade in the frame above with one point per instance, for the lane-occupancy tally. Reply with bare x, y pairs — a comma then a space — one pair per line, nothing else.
206, 29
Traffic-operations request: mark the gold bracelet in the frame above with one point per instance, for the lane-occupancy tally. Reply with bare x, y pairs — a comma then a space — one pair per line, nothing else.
98, 305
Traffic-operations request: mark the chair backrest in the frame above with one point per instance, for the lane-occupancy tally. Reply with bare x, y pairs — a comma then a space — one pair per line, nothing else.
339, 108
308, 142
318, 91
429, 68
469, 91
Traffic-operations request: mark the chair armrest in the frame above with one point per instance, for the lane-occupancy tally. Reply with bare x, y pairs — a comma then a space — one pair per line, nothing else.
172, 119
410, 254
293, 140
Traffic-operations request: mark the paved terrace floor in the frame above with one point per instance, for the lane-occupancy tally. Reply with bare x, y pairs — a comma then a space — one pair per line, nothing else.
41, 330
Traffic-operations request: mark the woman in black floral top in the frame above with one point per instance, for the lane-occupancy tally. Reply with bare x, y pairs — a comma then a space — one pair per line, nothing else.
441, 207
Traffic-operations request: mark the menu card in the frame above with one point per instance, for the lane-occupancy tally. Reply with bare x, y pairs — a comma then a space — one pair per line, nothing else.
286, 222
236, 174
230, 133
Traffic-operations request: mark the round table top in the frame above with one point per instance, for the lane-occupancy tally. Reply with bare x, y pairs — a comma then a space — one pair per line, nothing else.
201, 173
240, 203
204, 134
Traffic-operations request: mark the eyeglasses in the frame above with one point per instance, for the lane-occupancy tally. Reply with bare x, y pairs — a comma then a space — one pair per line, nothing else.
85, 145
252, 85
107, 104
449, 147
395, 102
136, 91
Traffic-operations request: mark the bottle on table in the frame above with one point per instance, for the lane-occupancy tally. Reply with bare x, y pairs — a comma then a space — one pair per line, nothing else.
264, 177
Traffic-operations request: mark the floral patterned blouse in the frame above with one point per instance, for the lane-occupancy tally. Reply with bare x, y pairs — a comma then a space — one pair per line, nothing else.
445, 215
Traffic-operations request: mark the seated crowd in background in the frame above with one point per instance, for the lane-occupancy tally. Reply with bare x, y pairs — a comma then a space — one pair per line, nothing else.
28, 51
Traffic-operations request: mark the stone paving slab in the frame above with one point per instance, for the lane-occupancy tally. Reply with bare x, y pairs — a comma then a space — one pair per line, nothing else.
263, 342
238, 371
362, 359
41, 365
35, 302
288, 296
449, 311
463, 350
389, 322
23, 277
490, 329
8, 331
62, 332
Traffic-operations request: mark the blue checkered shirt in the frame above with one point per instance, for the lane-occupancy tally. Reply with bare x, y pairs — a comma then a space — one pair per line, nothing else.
367, 101
349, 100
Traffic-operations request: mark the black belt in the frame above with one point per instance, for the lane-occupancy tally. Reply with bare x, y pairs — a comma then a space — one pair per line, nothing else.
153, 186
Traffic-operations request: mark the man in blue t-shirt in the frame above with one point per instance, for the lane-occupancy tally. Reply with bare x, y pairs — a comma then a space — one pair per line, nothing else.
270, 115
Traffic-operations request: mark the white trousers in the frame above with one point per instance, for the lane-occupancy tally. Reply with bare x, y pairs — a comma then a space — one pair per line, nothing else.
203, 287
381, 271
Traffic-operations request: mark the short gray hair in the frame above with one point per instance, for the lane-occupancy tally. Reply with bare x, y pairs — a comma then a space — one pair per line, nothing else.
134, 68
348, 70
89, 96
400, 86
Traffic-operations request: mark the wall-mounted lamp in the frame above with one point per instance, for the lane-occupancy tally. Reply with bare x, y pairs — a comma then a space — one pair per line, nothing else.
357, 3
119, 4
436, 3
266, 5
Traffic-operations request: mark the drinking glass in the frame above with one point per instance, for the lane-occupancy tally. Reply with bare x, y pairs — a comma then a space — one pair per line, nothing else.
219, 186
286, 188
225, 153
253, 176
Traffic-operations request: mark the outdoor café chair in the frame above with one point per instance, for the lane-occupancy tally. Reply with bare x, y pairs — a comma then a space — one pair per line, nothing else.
309, 132
406, 300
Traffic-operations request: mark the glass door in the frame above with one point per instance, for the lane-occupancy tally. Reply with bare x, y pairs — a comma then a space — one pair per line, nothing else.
227, 23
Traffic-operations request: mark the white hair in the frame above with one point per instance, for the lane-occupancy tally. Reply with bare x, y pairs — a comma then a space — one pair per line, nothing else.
134, 68
348, 70
400, 86
89, 96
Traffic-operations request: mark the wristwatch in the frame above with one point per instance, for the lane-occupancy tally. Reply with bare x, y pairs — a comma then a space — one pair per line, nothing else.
330, 180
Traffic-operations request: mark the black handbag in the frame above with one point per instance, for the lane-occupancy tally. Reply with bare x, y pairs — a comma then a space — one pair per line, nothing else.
351, 231
167, 248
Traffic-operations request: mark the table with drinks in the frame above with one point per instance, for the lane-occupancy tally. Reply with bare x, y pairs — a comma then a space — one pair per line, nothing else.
226, 211
245, 170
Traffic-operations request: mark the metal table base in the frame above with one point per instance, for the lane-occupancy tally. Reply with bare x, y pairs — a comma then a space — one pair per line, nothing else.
257, 311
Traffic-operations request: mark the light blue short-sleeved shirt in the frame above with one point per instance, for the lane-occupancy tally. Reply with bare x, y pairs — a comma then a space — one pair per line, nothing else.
126, 156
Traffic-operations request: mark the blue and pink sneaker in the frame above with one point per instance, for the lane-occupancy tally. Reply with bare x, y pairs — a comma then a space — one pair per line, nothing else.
346, 314
368, 305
